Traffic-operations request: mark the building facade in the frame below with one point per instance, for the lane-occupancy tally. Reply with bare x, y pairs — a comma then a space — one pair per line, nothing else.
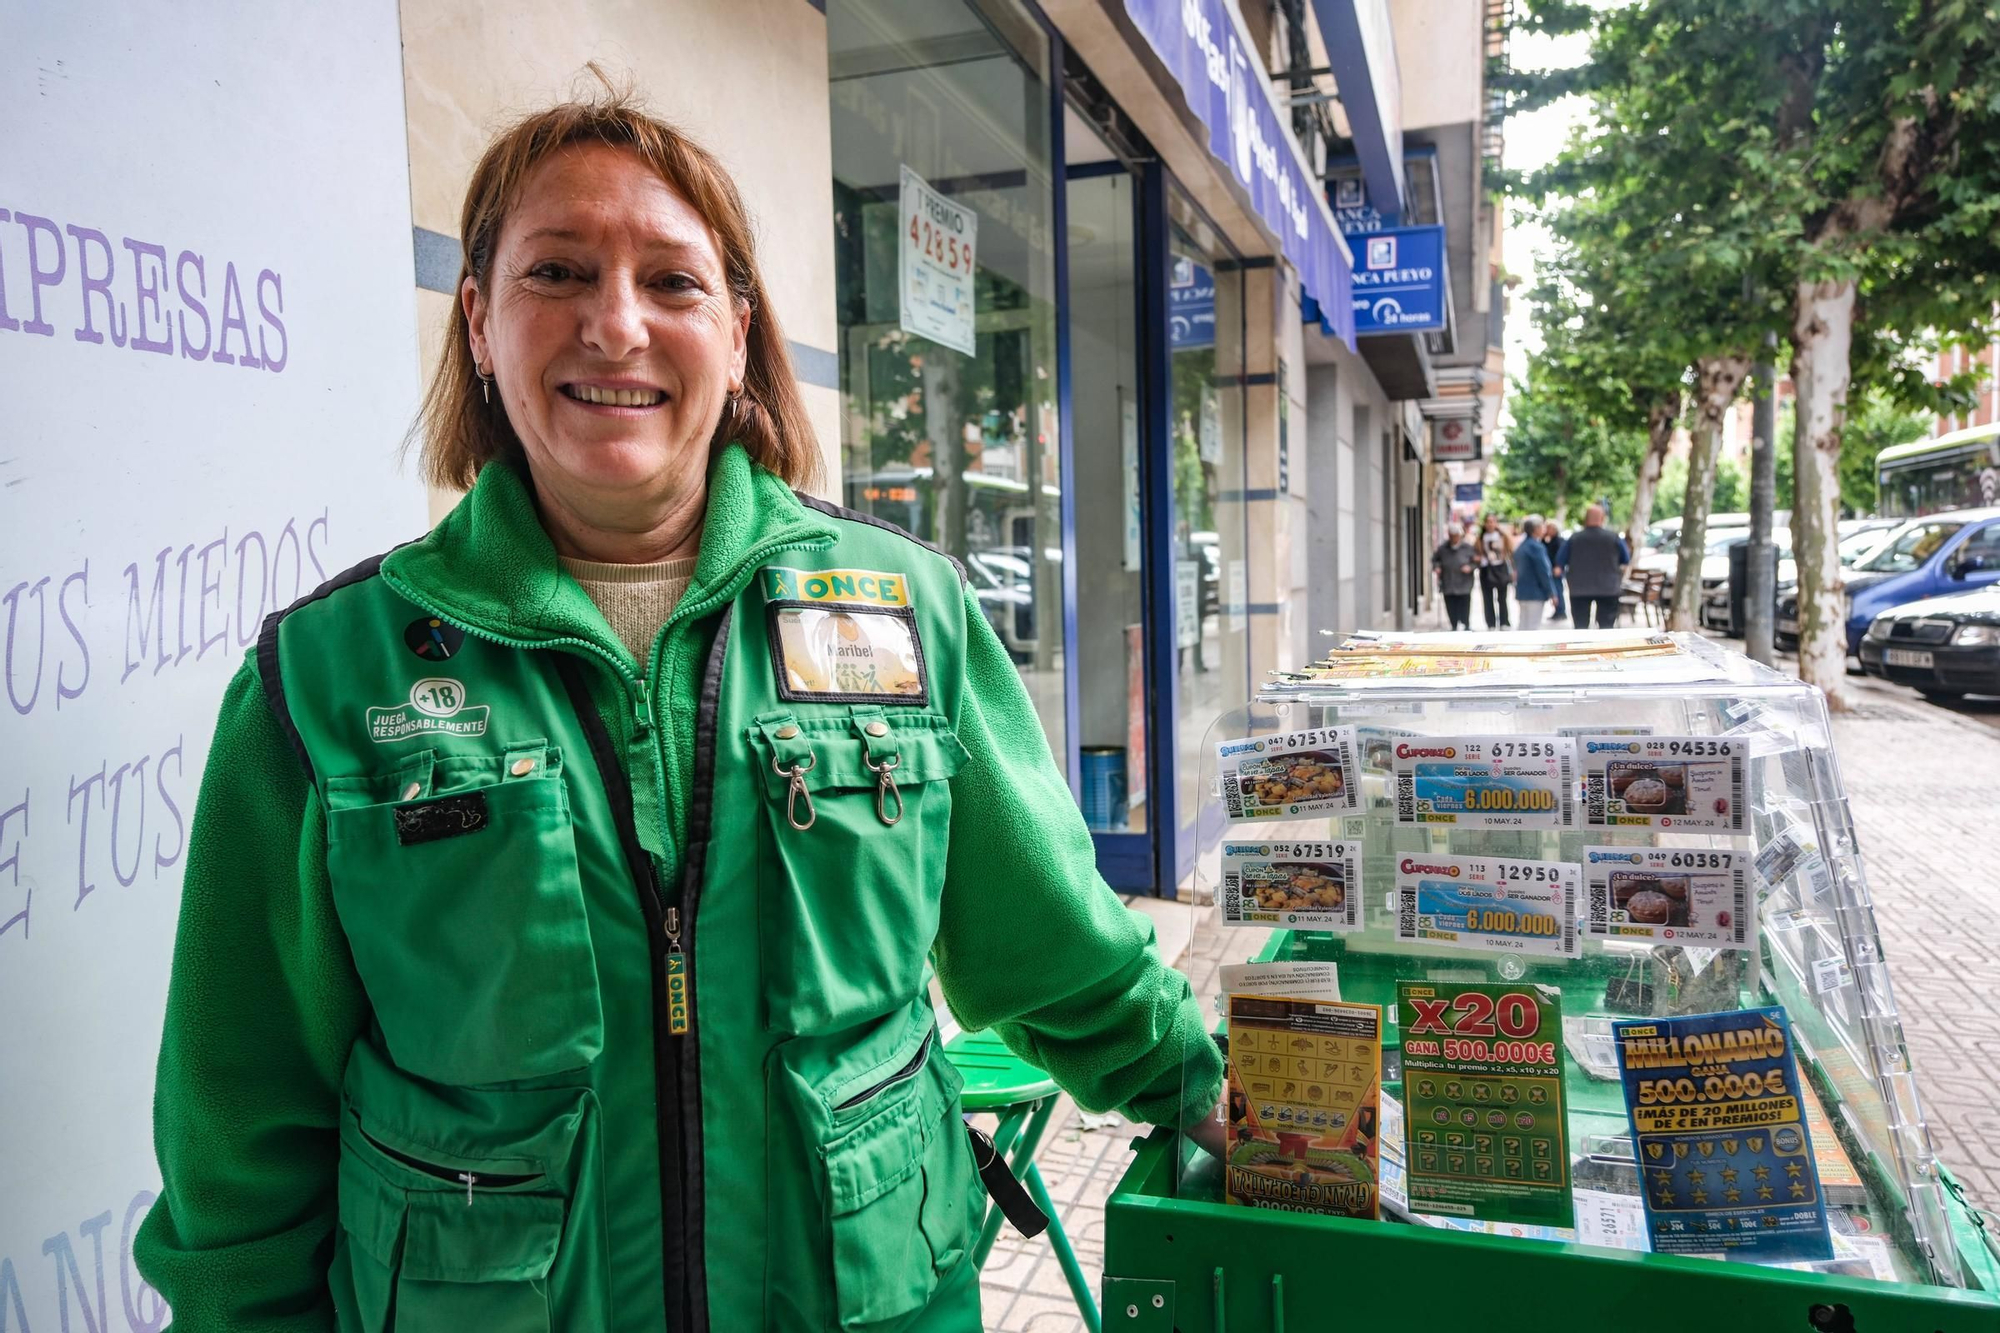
1126, 390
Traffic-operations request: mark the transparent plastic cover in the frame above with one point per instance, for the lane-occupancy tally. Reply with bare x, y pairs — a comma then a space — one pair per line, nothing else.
1559, 938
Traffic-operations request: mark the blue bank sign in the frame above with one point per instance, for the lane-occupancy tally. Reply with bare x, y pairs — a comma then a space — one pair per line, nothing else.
1399, 280
1190, 305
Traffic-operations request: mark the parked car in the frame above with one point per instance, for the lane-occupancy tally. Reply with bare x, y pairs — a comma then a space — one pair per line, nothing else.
1858, 545
1943, 646
1003, 582
1926, 557
1667, 556
1715, 592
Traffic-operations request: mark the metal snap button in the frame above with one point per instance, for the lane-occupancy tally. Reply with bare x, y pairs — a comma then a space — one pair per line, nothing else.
522, 767
786, 732
878, 728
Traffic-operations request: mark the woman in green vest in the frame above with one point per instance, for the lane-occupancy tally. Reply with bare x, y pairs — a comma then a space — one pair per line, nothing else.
553, 945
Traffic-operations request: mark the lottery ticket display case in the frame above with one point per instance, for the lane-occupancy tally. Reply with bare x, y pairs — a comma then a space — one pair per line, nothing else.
1554, 1000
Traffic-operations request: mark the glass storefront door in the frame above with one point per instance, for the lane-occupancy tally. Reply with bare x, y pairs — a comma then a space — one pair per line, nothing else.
1205, 338
1107, 413
949, 384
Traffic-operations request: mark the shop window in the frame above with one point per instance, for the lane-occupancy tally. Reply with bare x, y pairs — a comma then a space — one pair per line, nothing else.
1206, 429
946, 302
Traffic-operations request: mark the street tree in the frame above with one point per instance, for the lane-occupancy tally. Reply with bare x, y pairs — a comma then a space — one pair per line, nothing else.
1843, 153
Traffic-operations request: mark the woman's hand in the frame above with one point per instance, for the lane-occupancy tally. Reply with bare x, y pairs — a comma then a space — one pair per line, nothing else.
1209, 1133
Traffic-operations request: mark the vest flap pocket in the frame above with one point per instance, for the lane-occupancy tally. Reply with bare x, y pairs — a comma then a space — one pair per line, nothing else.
900, 1203
498, 1238
878, 1154
924, 747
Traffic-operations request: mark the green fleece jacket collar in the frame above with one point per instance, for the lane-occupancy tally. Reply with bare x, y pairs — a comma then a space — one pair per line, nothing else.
491, 567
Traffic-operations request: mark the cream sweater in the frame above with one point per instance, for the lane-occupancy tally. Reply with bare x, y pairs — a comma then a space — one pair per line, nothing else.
635, 599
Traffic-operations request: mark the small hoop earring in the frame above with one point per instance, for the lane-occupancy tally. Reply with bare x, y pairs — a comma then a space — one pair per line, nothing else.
485, 387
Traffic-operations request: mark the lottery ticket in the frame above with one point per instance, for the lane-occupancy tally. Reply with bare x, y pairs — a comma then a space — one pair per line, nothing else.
1498, 782
1295, 773
1678, 895
1724, 1149
1303, 885
1692, 783
1482, 1069
1305, 1086
1488, 904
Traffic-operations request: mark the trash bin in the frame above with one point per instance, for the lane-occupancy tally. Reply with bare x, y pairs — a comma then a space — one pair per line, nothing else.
1103, 787
1739, 583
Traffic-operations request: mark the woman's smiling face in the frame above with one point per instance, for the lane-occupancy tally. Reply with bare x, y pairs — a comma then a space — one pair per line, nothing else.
608, 327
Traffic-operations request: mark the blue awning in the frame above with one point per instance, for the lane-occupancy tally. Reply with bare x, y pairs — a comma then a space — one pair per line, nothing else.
1198, 42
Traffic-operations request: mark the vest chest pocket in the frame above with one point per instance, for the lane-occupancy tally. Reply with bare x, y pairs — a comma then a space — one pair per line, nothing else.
857, 815
465, 914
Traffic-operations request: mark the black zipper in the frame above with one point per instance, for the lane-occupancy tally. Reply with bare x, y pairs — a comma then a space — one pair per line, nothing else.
676, 1065
666, 1056
903, 1075
486, 1179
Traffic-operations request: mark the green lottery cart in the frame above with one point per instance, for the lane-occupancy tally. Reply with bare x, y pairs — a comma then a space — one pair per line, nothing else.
1569, 1012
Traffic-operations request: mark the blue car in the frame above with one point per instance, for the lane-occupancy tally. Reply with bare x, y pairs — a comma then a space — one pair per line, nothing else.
1927, 557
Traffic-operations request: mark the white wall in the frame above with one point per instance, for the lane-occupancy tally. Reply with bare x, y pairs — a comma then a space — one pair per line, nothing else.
207, 360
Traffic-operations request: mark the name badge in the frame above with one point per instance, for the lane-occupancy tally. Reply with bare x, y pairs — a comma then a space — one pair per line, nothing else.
840, 653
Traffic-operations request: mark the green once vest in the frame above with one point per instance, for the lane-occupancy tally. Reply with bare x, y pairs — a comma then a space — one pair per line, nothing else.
529, 1140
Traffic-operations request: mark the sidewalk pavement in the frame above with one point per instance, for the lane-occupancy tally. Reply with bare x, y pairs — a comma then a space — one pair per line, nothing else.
1913, 772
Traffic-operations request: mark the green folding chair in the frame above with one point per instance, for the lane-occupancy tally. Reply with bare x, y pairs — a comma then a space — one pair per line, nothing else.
1024, 1097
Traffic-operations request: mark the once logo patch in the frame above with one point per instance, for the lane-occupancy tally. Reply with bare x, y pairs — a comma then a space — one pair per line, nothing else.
432, 639
866, 586
436, 707
847, 654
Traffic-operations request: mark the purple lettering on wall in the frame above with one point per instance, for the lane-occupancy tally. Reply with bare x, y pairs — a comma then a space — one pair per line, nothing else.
69, 1277
271, 319
63, 689
155, 615
161, 315
84, 886
247, 626
114, 316
320, 526
145, 1308
174, 752
118, 820
234, 317
205, 640
39, 277
193, 302
13, 601
7, 325
142, 810
12, 861
181, 608
10, 1298
146, 289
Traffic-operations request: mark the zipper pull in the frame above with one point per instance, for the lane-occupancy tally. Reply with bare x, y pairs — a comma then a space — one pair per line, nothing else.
642, 706
677, 976
468, 1178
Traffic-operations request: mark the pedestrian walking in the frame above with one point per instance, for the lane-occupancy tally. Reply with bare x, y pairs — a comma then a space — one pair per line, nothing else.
1457, 564
1534, 576
1594, 560
1552, 540
420, 960
1496, 571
